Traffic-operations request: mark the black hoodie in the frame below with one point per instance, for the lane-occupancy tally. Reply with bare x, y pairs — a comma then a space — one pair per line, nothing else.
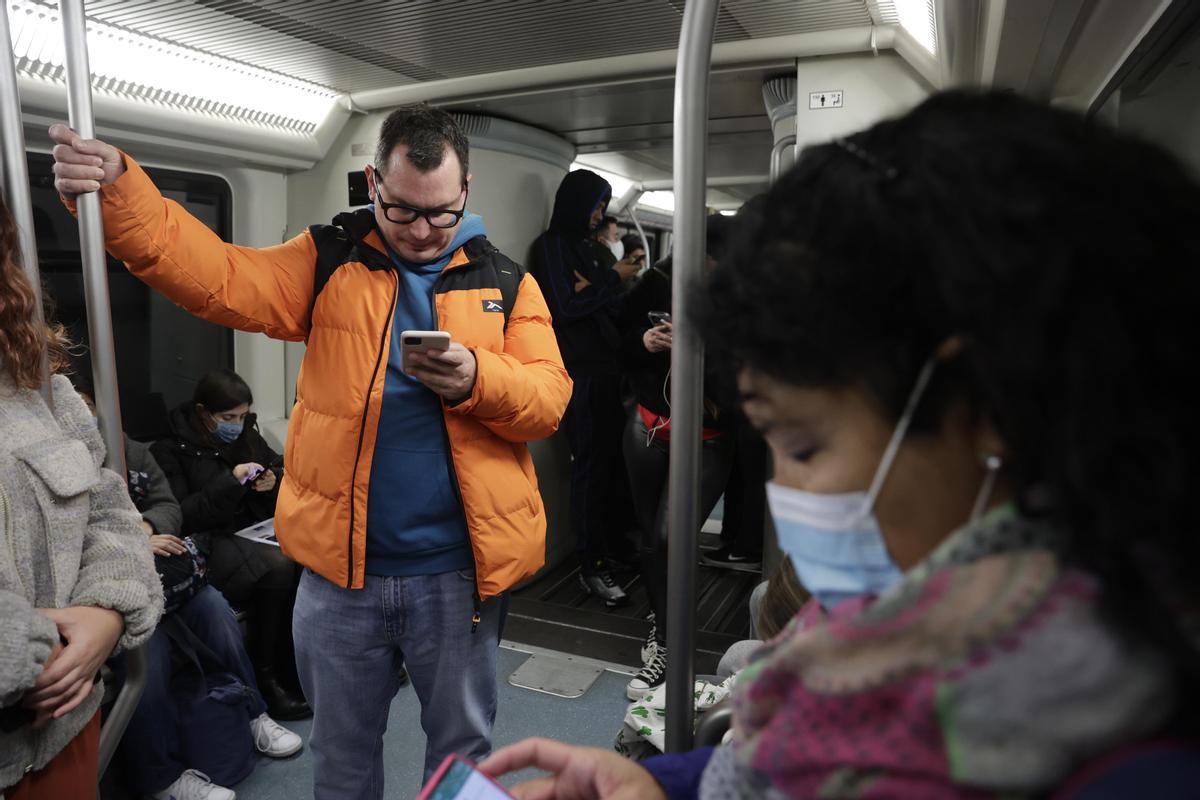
584, 321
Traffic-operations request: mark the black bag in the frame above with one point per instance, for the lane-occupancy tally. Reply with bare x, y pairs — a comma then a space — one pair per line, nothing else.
182, 575
214, 709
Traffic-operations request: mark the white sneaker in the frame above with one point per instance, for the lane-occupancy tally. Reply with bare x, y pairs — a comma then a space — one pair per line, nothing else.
651, 644
649, 677
272, 739
194, 785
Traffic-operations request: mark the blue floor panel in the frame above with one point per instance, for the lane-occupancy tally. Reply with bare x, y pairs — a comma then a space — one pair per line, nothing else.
590, 720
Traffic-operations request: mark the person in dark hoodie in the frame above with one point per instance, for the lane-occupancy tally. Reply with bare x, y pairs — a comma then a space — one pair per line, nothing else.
225, 476
646, 355
584, 299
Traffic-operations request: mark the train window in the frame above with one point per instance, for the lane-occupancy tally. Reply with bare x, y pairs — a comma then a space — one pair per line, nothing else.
161, 349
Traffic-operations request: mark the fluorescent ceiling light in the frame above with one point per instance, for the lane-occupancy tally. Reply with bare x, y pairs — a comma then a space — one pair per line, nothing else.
129, 63
659, 201
919, 19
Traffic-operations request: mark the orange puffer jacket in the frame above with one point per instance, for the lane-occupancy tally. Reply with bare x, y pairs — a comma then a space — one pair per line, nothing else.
521, 389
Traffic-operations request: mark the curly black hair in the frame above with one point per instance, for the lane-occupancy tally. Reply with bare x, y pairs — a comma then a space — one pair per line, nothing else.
1063, 255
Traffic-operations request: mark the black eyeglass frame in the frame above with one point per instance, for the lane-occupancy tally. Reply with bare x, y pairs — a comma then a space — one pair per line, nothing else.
416, 213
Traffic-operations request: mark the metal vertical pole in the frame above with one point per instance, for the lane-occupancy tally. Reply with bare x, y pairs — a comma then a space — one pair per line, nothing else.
687, 363
15, 174
100, 335
91, 243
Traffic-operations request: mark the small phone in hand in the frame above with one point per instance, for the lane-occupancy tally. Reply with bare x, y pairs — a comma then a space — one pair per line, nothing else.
252, 475
423, 341
459, 779
659, 318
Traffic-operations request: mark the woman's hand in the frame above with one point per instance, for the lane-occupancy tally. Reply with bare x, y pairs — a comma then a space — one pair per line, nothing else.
167, 545
43, 717
265, 482
658, 338
576, 773
91, 635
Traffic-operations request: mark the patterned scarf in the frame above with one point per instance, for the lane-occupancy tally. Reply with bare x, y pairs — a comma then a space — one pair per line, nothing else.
987, 670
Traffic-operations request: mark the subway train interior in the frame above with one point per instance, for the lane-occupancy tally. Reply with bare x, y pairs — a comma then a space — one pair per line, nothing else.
260, 118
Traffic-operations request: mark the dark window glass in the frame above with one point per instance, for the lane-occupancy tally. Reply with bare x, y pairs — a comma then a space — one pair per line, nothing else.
161, 349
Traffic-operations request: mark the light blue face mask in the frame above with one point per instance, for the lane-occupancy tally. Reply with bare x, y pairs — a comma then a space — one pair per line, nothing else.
227, 431
834, 540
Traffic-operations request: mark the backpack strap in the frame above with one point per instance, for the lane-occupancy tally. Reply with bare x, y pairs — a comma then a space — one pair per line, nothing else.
508, 272
332, 245
336, 243
509, 275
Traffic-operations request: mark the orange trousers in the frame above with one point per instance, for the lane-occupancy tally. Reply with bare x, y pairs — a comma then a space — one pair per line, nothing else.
70, 775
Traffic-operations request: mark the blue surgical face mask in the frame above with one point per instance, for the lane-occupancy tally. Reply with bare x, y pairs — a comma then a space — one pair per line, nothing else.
834, 540
227, 431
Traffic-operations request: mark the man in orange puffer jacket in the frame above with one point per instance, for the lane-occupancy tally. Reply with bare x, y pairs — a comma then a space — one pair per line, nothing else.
409, 493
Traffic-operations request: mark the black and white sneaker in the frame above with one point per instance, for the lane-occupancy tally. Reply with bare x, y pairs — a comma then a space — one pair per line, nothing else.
729, 558
649, 677
599, 581
651, 643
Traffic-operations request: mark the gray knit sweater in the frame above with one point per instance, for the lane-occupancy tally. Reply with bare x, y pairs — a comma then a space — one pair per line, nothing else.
69, 536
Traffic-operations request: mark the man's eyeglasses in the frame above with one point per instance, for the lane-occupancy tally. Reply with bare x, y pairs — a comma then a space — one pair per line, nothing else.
406, 215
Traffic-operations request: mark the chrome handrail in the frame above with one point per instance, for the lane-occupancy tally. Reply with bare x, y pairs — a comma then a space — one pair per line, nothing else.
687, 363
100, 337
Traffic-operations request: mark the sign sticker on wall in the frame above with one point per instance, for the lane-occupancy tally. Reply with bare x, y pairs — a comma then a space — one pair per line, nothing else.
830, 99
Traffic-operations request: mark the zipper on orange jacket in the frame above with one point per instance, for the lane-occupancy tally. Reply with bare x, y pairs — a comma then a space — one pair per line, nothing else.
362, 428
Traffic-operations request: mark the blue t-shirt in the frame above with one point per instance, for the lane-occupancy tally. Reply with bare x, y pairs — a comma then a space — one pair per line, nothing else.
415, 521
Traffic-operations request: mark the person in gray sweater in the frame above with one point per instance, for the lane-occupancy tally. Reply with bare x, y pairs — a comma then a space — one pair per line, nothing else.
76, 576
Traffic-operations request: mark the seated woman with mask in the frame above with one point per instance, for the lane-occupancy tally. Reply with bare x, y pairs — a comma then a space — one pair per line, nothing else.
225, 476
962, 334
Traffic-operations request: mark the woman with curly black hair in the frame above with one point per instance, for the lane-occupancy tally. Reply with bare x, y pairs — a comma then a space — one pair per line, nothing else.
963, 333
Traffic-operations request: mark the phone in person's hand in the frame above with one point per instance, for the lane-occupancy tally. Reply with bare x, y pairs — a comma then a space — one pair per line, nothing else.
459, 779
423, 341
255, 471
659, 318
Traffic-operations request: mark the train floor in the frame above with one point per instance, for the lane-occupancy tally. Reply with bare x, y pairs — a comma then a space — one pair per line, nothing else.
591, 719
555, 612
555, 631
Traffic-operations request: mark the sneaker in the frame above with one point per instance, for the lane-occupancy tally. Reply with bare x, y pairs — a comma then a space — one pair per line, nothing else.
726, 556
600, 582
194, 785
651, 643
651, 676
273, 740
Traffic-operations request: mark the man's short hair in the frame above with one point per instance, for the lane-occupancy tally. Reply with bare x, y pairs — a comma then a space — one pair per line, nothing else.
425, 131
602, 228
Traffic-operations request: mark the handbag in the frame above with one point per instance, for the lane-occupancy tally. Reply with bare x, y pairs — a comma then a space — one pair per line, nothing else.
182, 575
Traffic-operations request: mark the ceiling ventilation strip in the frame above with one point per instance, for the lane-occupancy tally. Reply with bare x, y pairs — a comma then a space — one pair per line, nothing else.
134, 66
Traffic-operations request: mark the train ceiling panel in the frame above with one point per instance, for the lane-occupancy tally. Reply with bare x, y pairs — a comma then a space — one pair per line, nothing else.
371, 44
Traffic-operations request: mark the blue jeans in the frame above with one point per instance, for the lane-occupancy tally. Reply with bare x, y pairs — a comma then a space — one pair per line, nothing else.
350, 645
151, 745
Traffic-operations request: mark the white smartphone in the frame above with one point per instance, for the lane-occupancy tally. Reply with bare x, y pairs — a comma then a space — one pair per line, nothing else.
422, 341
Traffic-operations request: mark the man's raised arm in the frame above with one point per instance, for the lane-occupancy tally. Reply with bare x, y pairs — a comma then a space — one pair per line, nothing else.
267, 290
